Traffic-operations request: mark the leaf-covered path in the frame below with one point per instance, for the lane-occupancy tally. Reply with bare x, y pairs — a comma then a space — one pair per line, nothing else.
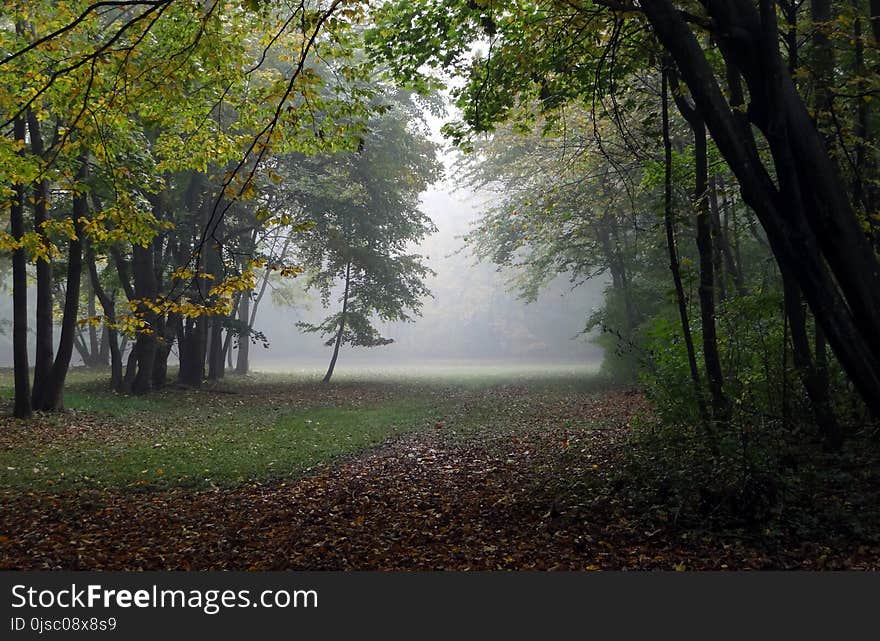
509, 480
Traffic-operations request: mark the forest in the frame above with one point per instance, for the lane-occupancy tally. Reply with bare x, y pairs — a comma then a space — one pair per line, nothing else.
542, 284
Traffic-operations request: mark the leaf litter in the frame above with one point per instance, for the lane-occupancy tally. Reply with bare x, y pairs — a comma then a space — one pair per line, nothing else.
511, 478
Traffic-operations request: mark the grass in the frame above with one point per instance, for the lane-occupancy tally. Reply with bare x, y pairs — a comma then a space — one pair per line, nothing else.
265, 426
201, 439
228, 450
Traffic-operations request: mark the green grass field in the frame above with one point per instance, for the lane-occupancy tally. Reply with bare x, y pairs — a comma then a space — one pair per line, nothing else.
264, 426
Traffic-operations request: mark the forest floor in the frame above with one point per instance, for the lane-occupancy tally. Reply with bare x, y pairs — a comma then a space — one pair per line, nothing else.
485, 472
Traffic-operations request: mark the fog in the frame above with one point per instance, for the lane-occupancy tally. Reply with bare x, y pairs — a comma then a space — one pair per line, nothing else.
472, 318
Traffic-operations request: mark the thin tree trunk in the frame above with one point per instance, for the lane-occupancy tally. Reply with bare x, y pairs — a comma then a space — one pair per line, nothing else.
809, 210
730, 250
163, 351
341, 325
45, 345
717, 240
125, 280
122, 270
165, 324
243, 361
104, 351
617, 267
22, 406
242, 364
79, 343
53, 398
130, 371
874, 7
94, 345
215, 350
821, 357
711, 358
861, 124
145, 345
790, 9
226, 352
225, 357
817, 389
786, 403
108, 304
674, 266
723, 255
823, 56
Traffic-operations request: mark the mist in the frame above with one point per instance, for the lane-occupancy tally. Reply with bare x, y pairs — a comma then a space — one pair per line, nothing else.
472, 316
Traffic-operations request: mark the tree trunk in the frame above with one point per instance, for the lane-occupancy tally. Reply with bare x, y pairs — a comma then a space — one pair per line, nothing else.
53, 397
860, 189
94, 345
330, 369
130, 371
225, 351
22, 406
215, 350
729, 251
711, 358
617, 266
191, 347
724, 261
145, 345
104, 351
79, 343
817, 390
717, 240
244, 340
108, 304
122, 270
168, 331
202, 334
822, 66
874, 7
810, 210
45, 345
160, 365
790, 9
125, 280
674, 266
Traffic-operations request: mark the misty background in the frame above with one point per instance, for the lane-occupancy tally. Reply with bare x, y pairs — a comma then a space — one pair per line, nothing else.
472, 318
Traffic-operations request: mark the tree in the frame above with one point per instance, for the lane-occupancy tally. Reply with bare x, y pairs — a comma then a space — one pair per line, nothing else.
19, 293
160, 115
364, 211
558, 54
